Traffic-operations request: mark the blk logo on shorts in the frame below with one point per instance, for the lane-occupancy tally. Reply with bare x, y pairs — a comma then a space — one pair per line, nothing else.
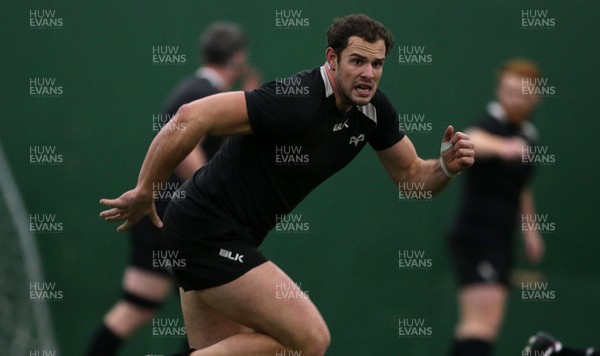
356, 139
229, 255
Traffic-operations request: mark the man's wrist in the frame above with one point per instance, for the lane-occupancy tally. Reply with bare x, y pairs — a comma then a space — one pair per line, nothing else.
445, 146
447, 173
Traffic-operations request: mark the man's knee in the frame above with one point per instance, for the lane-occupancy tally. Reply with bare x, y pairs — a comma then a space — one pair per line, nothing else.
321, 341
477, 329
125, 318
313, 341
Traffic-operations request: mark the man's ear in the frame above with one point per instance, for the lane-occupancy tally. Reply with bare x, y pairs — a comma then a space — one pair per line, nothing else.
331, 58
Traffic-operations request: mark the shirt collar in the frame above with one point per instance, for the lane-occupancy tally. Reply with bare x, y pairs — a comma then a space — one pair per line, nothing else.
213, 77
328, 88
497, 111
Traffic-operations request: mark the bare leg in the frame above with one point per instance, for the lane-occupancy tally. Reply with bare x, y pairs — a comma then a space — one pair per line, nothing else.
246, 317
125, 318
481, 311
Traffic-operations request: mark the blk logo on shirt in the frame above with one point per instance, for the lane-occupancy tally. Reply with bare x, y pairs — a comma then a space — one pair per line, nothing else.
341, 126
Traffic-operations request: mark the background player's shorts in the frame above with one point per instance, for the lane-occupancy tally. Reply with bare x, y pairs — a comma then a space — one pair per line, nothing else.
482, 257
208, 248
146, 245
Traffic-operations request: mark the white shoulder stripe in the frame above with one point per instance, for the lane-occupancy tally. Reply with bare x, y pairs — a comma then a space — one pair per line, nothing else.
328, 88
370, 111
529, 130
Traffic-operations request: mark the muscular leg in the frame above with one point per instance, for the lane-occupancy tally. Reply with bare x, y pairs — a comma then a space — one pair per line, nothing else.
245, 317
204, 326
481, 310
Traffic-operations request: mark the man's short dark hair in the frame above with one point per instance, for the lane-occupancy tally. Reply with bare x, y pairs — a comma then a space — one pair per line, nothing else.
220, 42
357, 25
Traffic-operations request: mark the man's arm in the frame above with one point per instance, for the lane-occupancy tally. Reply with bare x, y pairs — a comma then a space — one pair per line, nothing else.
191, 163
490, 145
534, 244
217, 115
404, 165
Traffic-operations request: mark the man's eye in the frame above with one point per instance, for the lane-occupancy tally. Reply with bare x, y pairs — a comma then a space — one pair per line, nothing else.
357, 61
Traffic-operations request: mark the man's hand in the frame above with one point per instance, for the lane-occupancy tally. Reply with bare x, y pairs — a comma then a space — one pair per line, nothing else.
512, 148
131, 206
460, 154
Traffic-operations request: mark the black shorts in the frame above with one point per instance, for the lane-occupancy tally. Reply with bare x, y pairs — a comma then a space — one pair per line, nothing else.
207, 247
482, 257
146, 245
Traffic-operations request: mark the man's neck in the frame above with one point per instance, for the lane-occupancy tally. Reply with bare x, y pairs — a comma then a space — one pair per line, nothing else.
339, 103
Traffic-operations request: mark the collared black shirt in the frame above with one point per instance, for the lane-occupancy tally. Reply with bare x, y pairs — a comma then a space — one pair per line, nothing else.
299, 140
492, 187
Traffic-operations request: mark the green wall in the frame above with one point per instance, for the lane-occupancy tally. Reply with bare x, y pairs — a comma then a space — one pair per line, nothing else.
102, 125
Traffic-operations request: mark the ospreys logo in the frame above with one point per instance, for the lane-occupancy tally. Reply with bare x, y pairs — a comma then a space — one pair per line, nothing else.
356, 139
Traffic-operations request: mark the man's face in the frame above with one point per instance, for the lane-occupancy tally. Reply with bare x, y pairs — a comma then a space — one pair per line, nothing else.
358, 70
514, 98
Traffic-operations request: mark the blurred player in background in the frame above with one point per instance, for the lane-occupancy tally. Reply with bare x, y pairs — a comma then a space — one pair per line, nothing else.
495, 194
146, 284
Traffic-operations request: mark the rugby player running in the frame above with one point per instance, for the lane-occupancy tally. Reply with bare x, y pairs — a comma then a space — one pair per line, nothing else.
228, 287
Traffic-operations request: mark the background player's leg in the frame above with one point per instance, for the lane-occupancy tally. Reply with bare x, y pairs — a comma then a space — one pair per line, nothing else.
251, 301
127, 316
146, 291
481, 308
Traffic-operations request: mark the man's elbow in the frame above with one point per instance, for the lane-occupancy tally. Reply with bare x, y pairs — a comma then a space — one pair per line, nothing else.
186, 119
184, 114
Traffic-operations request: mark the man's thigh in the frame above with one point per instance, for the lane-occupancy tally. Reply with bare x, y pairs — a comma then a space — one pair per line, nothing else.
266, 300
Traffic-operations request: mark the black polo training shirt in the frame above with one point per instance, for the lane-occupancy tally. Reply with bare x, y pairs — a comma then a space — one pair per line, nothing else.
299, 139
193, 88
490, 203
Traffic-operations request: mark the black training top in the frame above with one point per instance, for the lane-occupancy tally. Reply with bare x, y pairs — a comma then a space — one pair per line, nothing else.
490, 202
193, 88
299, 139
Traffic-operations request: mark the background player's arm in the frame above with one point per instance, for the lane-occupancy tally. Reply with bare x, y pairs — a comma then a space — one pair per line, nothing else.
217, 115
534, 244
490, 145
404, 165
191, 163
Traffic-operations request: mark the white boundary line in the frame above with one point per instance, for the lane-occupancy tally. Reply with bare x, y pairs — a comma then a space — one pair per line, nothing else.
16, 208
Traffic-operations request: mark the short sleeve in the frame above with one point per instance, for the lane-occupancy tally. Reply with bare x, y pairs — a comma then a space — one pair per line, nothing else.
192, 89
486, 123
388, 132
282, 107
